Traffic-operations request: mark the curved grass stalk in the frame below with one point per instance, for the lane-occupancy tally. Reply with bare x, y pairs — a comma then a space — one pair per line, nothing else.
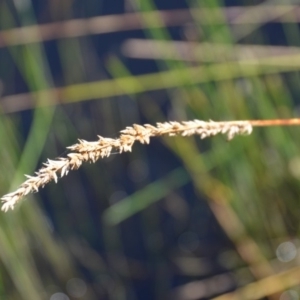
85, 151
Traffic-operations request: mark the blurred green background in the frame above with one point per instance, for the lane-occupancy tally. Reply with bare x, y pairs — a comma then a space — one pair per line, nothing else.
181, 218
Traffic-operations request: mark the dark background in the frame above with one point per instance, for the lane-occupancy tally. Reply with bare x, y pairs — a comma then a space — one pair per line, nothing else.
178, 239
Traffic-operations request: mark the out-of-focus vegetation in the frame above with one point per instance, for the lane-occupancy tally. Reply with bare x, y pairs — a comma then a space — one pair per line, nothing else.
180, 218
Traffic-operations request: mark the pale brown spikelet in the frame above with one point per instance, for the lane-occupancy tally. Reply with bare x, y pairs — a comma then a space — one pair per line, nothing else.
91, 151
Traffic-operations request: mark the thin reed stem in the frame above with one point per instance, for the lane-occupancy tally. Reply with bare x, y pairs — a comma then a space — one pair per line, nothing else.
277, 122
133, 21
85, 151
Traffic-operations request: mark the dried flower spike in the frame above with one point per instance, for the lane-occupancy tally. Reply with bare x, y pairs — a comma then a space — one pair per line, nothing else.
91, 151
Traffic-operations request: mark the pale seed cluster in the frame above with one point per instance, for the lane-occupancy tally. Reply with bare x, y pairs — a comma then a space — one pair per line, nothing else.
92, 151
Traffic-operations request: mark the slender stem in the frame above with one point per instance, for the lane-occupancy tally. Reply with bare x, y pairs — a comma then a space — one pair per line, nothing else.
275, 122
132, 21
